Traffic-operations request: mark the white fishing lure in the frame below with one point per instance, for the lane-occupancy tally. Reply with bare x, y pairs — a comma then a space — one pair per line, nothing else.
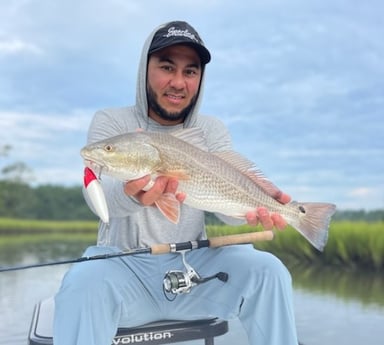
96, 195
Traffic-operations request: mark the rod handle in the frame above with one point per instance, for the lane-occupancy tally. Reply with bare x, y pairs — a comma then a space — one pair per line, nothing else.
163, 248
220, 241
250, 237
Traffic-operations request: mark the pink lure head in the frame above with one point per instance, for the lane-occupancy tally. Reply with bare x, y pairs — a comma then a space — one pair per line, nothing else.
89, 176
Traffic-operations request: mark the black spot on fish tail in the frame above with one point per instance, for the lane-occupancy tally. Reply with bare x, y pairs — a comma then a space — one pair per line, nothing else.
313, 221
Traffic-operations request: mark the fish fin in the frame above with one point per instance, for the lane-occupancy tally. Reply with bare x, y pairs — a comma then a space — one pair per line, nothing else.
180, 175
169, 206
248, 168
194, 136
313, 222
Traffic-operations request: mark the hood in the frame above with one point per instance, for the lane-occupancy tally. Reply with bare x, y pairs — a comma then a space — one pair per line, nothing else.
141, 93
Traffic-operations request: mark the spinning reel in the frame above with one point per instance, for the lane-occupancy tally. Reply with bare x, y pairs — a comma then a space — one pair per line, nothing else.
179, 282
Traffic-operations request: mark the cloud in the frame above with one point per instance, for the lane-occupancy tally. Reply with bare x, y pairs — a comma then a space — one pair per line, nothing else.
49, 143
365, 197
298, 83
35, 125
362, 192
17, 46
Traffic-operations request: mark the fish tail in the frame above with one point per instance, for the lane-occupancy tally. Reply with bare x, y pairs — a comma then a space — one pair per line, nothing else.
313, 222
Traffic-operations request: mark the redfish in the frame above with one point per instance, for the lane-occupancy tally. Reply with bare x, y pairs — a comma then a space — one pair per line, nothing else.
223, 182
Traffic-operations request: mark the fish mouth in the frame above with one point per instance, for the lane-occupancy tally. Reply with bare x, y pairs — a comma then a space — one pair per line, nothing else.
90, 161
96, 167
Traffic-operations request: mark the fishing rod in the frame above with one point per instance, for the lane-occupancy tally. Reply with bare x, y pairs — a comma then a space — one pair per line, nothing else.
164, 248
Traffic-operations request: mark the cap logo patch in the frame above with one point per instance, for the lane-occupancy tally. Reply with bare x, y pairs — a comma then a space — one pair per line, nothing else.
173, 32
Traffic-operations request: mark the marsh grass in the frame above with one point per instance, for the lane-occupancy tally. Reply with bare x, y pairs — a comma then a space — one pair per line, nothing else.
59, 238
30, 226
353, 245
350, 244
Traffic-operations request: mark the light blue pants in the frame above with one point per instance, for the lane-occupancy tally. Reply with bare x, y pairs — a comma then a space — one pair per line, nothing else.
96, 297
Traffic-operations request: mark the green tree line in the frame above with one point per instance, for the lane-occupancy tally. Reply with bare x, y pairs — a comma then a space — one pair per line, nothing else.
18, 199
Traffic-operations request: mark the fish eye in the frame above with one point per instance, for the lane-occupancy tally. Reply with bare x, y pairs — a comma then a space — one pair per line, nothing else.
108, 148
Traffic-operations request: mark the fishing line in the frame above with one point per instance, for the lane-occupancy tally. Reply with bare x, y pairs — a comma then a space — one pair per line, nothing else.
77, 260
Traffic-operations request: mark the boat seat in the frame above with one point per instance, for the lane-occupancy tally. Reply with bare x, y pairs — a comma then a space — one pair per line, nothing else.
160, 332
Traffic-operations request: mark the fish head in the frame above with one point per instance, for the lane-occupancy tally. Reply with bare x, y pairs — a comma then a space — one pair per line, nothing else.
125, 157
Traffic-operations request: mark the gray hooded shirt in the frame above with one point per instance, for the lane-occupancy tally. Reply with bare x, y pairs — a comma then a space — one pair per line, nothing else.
131, 224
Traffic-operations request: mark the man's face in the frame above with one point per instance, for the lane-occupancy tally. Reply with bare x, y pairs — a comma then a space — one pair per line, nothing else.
173, 80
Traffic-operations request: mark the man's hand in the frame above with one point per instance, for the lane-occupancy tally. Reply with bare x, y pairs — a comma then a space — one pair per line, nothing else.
160, 186
266, 219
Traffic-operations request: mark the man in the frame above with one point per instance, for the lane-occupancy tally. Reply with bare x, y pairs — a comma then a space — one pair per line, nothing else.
99, 296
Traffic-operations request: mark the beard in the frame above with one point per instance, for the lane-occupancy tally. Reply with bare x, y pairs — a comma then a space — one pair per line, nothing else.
164, 114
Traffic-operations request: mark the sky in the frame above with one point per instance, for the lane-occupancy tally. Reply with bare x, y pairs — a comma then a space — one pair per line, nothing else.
300, 85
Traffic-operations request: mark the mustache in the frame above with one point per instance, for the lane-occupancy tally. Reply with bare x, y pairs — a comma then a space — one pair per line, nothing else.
163, 113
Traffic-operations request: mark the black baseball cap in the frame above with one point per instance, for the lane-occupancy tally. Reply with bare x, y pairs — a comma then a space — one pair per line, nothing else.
179, 32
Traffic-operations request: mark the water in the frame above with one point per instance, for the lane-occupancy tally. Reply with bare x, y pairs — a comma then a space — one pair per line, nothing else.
329, 320
331, 306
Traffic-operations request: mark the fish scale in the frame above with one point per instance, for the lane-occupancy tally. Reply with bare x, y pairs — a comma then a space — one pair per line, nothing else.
226, 188
222, 182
